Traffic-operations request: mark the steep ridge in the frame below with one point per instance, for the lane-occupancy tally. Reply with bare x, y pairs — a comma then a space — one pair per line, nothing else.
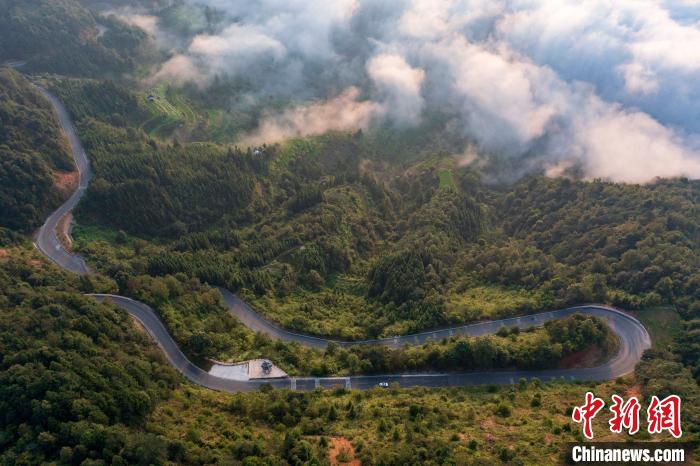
633, 337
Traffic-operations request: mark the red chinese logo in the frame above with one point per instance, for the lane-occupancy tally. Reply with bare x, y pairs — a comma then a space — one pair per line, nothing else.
665, 415
587, 412
624, 415
662, 415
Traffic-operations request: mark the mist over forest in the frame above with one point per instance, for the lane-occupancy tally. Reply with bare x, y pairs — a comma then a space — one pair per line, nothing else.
366, 232
603, 90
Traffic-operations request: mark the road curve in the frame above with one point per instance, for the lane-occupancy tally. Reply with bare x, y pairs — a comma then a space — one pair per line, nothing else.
46, 239
633, 337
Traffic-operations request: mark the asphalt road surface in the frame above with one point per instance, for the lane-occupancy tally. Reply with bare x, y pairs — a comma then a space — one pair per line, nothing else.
633, 337
46, 238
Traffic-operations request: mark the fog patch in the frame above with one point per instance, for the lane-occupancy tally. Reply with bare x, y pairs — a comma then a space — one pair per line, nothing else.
399, 86
346, 112
606, 89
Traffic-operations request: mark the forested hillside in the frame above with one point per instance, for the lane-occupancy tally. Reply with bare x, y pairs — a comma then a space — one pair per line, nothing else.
76, 377
332, 236
393, 228
80, 384
34, 155
62, 36
321, 232
631, 244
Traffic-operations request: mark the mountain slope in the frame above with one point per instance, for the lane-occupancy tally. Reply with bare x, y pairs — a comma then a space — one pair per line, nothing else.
34, 157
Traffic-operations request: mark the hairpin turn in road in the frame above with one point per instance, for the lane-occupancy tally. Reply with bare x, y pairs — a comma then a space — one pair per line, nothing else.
632, 335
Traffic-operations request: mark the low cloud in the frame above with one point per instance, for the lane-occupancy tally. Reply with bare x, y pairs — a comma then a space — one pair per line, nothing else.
237, 49
609, 89
178, 69
148, 23
399, 85
468, 156
345, 112
638, 79
145, 21
630, 146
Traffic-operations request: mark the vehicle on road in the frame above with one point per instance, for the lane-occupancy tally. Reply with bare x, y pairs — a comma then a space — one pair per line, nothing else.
384, 384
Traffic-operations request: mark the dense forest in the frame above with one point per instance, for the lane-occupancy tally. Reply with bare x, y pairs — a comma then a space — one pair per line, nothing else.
80, 384
332, 231
33, 155
328, 224
62, 36
75, 375
350, 235
327, 235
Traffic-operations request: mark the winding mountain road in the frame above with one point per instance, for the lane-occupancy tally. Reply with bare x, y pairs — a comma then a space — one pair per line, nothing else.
633, 337
46, 238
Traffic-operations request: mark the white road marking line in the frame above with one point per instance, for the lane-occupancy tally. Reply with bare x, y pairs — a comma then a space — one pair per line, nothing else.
347, 383
317, 383
293, 384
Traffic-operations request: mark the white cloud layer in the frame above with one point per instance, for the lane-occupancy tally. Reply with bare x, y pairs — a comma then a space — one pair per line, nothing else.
400, 85
610, 87
342, 113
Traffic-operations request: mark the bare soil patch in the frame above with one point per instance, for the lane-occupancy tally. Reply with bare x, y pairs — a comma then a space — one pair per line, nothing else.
66, 182
488, 424
341, 452
63, 231
634, 390
588, 357
139, 326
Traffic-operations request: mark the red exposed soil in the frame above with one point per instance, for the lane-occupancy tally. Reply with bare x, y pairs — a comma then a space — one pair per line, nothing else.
139, 326
65, 182
341, 444
634, 390
63, 231
584, 358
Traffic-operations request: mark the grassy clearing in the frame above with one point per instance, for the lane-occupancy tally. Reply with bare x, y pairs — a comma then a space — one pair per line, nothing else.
447, 181
296, 148
169, 109
663, 324
223, 126
491, 302
341, 315
85, 234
